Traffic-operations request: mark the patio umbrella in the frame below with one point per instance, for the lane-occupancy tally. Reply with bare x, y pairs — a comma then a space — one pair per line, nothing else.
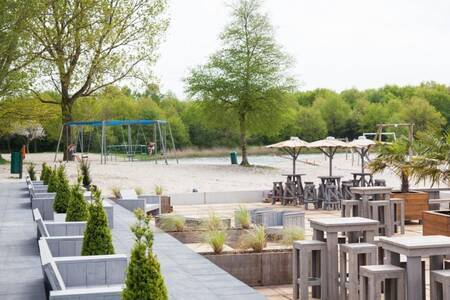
293, 146
362, 146
329, 146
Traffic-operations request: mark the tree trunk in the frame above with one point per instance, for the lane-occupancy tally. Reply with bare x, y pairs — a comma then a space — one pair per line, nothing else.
405, 183
66, 116
35, 146
243, 139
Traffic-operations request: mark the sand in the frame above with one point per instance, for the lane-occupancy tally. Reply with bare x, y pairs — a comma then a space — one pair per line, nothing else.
204, 174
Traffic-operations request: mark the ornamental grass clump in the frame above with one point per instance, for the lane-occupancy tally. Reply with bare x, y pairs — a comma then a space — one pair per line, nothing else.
291, 234
172, 223
139, 191
213, 222
116, 192
62, 191
144, 280
255, 239
31, 172
242, 217
77, 209
97, 236
216, 239
159, 190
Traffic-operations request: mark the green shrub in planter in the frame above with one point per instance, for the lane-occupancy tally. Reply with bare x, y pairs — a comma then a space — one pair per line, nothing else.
52, 180
77, 209
97, 236
144, 280
62, 191
44, 173
291, 234
85, 167
255, 239
216, 239
172, 223
31, 172
242, 217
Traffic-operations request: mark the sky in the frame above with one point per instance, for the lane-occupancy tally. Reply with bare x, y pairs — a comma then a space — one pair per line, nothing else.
335, 44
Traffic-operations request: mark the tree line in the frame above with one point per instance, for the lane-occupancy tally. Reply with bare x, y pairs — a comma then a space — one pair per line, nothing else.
310, 115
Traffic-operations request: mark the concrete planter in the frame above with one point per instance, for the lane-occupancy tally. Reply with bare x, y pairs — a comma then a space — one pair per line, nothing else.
436, 222
257, 269
415, 204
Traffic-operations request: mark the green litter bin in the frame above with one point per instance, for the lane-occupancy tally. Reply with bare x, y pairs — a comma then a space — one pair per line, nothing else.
16, 163
233, 157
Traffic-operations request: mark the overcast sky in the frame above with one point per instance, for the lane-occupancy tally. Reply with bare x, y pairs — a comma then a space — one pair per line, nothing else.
336, 44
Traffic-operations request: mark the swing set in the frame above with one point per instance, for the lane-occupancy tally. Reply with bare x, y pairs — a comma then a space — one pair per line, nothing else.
130, 150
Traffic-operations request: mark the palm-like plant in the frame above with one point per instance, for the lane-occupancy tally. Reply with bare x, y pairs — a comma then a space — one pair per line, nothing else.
433, 160
395, 157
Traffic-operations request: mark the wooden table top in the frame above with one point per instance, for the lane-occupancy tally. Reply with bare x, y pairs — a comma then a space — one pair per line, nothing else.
417, 245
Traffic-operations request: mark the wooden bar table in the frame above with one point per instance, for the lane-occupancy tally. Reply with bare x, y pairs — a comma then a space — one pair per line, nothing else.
327, 229
365, 194
415, 248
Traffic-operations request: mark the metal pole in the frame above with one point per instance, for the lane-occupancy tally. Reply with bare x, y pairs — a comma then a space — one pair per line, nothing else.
59, 142
102, 150
155, 140
82, 140
129, 143
162, 143
173, 143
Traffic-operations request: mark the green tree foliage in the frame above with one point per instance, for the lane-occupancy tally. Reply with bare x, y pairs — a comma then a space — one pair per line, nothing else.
97, 236
144, 280
86, 45
31, 172
310, 124
63, 193
77, 209
45, 173
335, 112
245, 80
53, 180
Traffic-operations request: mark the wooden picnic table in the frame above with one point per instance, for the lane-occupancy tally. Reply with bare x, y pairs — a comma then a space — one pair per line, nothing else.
415, 248
327, 229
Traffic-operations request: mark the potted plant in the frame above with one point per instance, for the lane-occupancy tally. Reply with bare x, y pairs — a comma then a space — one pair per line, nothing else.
85, 170
395, 157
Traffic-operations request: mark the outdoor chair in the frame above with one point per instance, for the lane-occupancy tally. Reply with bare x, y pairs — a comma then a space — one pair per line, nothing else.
131, 201
345, 187
332, 199
277, 192
289, 194
82, 277
310, 195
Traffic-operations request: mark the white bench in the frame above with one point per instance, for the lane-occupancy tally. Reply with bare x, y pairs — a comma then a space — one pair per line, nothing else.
47, 229
131, 201
82, 277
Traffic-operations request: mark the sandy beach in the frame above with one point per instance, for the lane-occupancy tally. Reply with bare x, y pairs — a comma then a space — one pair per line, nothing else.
205, 174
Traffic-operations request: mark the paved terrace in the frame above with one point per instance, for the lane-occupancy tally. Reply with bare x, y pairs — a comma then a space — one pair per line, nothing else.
20, 265
188, 275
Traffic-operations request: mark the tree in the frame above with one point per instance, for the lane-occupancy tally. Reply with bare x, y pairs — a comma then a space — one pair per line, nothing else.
335, 111
77, 209
144, 279
310, 124
246, 79
14, 16
97, 236
86, 45
30, 130
62, 191
395, 157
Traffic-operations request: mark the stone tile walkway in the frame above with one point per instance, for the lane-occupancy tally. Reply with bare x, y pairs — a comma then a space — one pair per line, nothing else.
187, 274
20, 266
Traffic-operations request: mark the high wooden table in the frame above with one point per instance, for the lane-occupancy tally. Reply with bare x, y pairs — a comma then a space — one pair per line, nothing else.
367, 193
415, 248
327, 229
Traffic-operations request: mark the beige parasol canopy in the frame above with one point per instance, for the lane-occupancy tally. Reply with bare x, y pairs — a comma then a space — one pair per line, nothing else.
329, 146
293, 146
362, 146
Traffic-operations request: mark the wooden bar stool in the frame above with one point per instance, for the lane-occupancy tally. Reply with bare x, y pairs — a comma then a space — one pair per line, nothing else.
371, 278
355, 255
310, 195
380, 182
277, 191
380, 210
398, 214
308, 254
440, 284
350, 208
